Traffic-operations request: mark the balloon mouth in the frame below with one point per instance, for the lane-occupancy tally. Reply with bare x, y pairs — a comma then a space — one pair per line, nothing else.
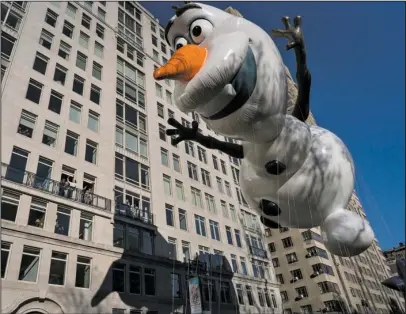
244, 83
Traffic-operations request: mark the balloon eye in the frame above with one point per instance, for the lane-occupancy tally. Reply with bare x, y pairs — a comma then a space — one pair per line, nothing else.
180, 42
196, 31
199, 30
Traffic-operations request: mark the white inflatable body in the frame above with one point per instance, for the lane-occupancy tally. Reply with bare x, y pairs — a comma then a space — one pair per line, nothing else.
241, 92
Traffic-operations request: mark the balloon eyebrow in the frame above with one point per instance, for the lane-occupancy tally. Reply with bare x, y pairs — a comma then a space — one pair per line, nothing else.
178, 12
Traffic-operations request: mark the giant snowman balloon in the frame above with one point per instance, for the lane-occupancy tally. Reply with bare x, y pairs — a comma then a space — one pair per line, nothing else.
230, 72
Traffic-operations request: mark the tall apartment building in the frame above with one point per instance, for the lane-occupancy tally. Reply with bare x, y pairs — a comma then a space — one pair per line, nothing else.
393, 254
99, 212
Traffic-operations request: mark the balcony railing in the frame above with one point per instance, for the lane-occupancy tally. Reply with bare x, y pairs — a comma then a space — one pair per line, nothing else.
53, 187
258, 252
134, 213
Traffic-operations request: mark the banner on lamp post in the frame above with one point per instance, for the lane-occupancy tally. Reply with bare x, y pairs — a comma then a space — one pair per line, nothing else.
195, 297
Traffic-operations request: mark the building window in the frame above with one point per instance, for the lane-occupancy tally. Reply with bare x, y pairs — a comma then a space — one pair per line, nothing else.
7, 45
118, 235
84, 40
162, 34
93, 121
18, 162
149, 280
27, 124
163, 48
71, 10
223, 166
158, 90
186, 251
237, 237
228, 188
9, 205
196, 197
169, 215
62, 224
302, 292
13, 19
34, 91
78, 84
200, 223
210, 202
176, 163
97, 70
182, 219
81, 61
100, 31
160, 109
287, 242
291, 258
172, 248
57, 269
95, 93
229, 235
215, 162
168, 97
134, 171
179, 190
75, 112
86, 20
89, 5
224, 208
261, 297
233, 213
135, 279
214, 230
29, 264
167, 185
164, 157
50, 133
154, 41
45, 39
91, 151
162, 132
83, 272
51, 17
306, 309
86, 227
118, 271
37, 214
244, 270
249, 295
101, 14
67, 29
192, 170
5, 253
98, 50
240, 294
279, 279
40, 63
284, 296
55, 102
296, 275
64, 50
60, 74
190, 148
206, 178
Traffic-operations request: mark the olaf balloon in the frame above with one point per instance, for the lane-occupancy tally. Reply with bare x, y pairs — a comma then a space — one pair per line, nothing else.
230, 72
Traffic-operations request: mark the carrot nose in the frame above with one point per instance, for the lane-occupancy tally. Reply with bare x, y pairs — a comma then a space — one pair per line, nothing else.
185, 63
